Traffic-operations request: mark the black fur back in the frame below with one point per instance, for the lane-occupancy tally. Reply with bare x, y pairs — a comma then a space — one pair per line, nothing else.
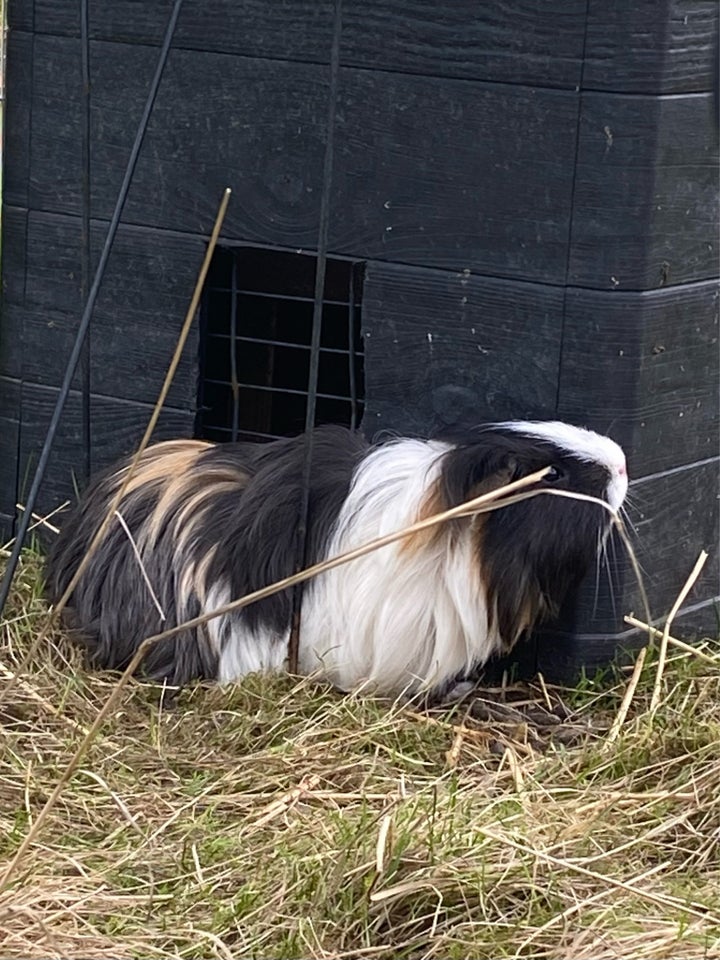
230, 515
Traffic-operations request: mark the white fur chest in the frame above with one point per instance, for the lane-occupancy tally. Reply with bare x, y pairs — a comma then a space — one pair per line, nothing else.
407, 616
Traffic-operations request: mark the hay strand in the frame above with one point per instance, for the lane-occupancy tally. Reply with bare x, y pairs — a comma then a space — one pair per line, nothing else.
141, 565
622, 713
687, 648
689, 583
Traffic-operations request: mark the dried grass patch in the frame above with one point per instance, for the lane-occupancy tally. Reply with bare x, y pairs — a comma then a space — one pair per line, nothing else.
280, 819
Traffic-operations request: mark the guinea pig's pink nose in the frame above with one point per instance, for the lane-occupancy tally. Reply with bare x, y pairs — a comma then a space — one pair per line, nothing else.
621, 469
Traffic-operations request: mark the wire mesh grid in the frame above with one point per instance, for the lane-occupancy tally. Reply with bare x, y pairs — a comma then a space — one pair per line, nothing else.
256, 326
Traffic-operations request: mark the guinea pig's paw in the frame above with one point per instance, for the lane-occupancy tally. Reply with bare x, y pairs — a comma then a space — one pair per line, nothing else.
459, 691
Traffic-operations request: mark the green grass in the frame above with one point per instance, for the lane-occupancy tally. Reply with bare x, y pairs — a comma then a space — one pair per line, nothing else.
280, 819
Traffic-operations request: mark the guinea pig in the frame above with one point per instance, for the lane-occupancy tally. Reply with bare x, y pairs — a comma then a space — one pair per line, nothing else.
212, 523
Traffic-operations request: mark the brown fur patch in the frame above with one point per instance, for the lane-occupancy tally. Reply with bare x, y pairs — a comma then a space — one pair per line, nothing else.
163, 461
190, 491
201, 572
433, 503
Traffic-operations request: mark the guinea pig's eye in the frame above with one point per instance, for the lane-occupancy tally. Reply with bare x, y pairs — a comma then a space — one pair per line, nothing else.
553, 475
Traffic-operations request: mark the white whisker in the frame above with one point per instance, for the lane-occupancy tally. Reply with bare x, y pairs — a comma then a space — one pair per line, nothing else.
598, 559
609, 571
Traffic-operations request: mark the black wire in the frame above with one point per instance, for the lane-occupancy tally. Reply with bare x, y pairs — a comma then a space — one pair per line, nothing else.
323, 235
233, 354
85, 228
87, 313
716, 83
323, 232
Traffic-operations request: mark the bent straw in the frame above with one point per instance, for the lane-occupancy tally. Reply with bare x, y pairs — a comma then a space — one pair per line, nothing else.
665, 640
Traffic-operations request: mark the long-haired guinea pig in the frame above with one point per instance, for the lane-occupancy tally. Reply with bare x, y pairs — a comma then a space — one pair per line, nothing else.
212, 523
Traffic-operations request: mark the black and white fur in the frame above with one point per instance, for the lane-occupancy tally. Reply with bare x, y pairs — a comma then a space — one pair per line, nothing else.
214, 522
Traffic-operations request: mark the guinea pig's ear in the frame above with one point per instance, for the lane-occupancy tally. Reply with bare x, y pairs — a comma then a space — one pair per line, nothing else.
512, 468
469, 471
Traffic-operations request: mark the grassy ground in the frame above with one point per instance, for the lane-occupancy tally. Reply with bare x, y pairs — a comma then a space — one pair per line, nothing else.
282, 820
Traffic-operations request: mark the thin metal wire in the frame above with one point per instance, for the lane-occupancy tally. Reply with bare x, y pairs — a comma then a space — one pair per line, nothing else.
212, 429
351, 351
273, 389
85, 230
322, 247
293, 298
87, 313
3, 55
323, 233
235, 386
266, 341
